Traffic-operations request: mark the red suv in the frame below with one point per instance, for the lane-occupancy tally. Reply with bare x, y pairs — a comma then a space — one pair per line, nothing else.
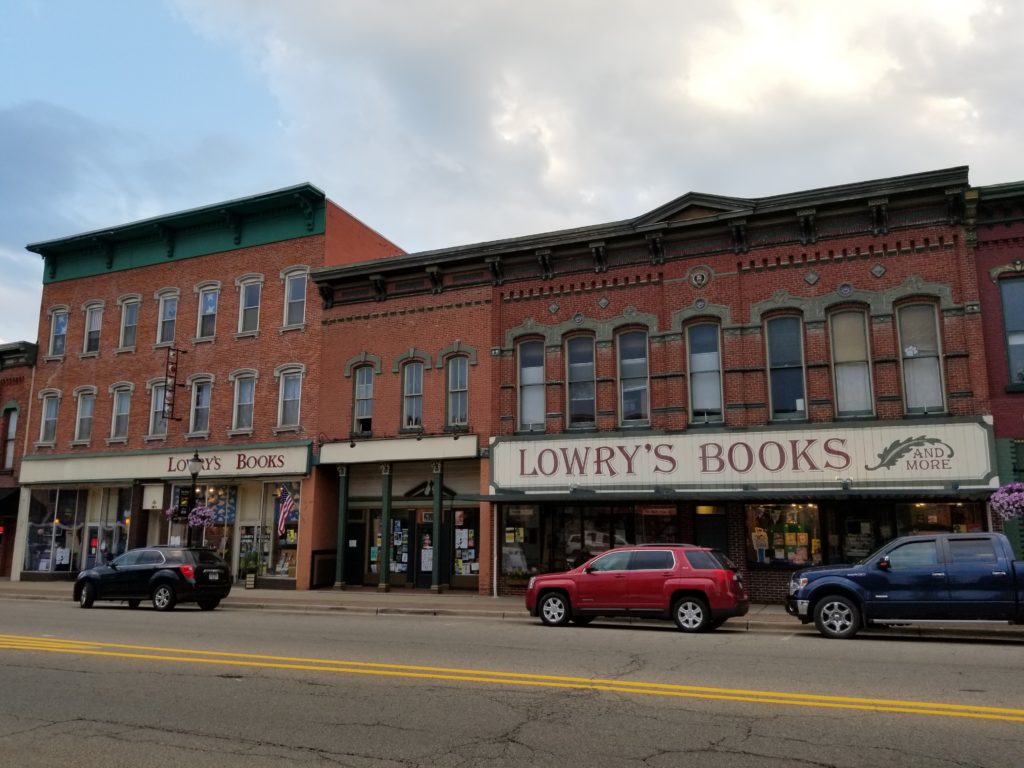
697, 587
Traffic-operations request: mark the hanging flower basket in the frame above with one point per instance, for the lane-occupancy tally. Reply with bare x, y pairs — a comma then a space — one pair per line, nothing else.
1008, 501
199, 517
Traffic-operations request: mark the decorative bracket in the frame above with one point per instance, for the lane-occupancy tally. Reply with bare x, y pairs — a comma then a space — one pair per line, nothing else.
234, 223
166, 236
544, 258
326, 296
954, 205
497, 272
656, 247
1017, 265
107, 249
307, 209
879, 215
739, 235
808, 231
597, 250
436, 279
379, 287
51, 265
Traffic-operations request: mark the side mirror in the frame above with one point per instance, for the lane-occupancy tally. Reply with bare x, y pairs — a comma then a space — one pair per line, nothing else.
884, 564
588, 569
109, 559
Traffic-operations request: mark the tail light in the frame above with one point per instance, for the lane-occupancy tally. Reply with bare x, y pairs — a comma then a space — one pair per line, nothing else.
188, 572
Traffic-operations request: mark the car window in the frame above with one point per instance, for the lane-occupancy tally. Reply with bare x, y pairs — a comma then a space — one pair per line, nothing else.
722, 558
652, 560
613, 561
128, 558
914, 554
977, 551
150, 557
175, 556
702, 561
205, 557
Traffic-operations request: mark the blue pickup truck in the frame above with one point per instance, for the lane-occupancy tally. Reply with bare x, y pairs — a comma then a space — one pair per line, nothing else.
942, 577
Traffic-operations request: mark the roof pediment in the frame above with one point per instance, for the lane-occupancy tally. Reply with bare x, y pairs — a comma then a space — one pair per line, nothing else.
693, 206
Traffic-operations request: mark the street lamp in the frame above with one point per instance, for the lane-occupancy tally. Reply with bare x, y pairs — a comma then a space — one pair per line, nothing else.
195, 464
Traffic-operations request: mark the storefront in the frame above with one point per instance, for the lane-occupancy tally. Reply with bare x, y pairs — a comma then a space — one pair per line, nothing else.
773, 499
75, 511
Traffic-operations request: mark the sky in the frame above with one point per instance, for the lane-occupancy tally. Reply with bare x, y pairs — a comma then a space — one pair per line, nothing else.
444, 122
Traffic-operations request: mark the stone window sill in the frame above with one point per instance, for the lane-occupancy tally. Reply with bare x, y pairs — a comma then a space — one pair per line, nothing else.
240, 432
155, 438
291, 428
197, 435
203, 340
85, 355
53, 359
297, 327
124, 350
117, 441
247, 334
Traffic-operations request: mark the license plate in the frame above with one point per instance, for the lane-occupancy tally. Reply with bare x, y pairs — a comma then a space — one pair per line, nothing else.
213, 576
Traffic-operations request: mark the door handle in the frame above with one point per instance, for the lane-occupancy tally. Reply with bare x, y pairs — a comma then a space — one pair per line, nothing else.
938, 575
998, 573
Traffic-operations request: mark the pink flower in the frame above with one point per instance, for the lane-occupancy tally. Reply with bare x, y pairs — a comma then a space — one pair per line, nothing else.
1008, 501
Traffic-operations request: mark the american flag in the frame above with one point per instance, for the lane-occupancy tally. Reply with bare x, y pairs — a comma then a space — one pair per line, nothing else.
287, 502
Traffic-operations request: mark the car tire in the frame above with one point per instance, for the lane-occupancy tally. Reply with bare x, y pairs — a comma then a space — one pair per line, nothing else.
716, 623
582, 620
554, 610
134, 603
164, 597
208, 605
837, 617
691, 614
88, 595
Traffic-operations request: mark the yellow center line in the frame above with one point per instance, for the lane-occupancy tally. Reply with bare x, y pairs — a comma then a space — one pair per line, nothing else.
234, 659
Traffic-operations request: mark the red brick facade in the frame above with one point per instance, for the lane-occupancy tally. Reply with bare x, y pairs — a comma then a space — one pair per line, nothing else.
16, 361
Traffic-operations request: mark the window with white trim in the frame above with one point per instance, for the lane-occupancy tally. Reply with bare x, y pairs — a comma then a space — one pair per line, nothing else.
58, 332
634, 385
206, 326
290, 397
363, 411
245, 395
531, 386
579, 373
121, 409
48, 420
249, 305
167, 318
412, 395
129, 323
93, 323
851, 366
9, 430
199, 419
786, 368
1012, 291
295, 298
705, 372
157, 417
83, 422
458, 391
922, 369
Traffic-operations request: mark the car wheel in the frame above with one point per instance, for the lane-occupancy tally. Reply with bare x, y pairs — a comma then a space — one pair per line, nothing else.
582, 620
134, 603
837, 617
554, 609
209, 605
164, 597
88, 595
691, 614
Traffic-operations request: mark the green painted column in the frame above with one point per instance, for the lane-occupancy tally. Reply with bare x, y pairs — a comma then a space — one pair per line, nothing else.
339, 568
385, 529
435, 576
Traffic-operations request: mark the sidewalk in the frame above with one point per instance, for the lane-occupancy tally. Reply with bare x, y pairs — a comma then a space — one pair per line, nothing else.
367, 600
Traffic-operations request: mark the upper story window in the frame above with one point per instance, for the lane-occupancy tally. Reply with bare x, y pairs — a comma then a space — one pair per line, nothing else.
851, 368
531, 386
86, 405
48, 420
8, 430
412, 395
250, 288
294, 296
458, 391
919, 347
1012, 291
58, 332
705, 369
580, 372
363, 412
206, 325
199, 418
634, 386
290, 395
120, 410
167, 315
129, 321
245, 396
93, 323
786, 368
157, 414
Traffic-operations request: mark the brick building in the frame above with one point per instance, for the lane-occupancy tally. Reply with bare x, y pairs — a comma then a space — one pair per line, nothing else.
996, 227
794, 379
190, 334
16, 362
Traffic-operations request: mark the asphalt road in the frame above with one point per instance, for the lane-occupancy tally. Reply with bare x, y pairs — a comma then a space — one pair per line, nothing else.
114, 687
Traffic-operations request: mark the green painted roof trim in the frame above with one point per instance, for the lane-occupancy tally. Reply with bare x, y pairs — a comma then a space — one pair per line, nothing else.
285, 214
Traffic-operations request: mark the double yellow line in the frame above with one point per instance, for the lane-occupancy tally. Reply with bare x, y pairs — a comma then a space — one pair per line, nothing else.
223, 658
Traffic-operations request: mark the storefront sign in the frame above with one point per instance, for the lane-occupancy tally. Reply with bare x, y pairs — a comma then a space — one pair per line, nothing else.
221, 463
904, 454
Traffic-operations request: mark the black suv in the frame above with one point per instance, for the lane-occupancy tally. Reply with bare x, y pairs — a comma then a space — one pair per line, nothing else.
165, 575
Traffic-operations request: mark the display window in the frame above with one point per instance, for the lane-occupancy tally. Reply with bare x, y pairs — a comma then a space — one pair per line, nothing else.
56, 529
218, 534
920, 517
284, 540
783, 534
466, 549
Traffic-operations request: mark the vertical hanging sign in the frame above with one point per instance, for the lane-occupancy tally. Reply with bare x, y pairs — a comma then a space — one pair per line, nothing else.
171, 379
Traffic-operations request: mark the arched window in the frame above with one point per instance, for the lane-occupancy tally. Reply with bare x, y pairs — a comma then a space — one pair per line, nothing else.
93, 324
1012, 291
786, 368
167, 315
457, 375
199, 414
244, 381
851, 369
920, 354
121, 392
290, 395
634, 384
531, 386
579, 374
412, 395
8, 430
48, 420
86, 397
363, 400
705, 371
